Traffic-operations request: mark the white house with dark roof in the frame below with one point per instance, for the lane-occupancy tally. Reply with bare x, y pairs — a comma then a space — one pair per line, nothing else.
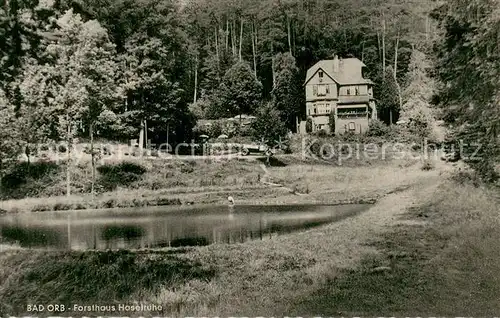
337, 86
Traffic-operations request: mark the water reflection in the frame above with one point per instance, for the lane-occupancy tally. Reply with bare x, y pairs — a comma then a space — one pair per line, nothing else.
161, 227
189, 241
127, 232
29, 237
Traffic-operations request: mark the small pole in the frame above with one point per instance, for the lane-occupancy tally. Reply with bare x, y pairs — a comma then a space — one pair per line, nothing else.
69, 232
168, 129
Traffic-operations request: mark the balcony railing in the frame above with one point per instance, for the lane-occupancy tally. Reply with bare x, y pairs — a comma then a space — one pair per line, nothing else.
347, 99
353, 115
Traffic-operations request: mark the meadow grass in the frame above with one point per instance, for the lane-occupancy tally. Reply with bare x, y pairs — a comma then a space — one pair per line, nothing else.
176, 182
286, 267
446, 266
88, 278
307, 273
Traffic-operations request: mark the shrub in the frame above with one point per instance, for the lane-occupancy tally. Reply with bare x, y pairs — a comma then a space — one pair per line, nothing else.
109, 204
166, 201
41, 208
322, 133
378, 128
187, 169
80, 206
428, 165
331, 122
26, 178
309, 125
62, 206
122, 174
61, 148
215, 129
463, 177
318, 149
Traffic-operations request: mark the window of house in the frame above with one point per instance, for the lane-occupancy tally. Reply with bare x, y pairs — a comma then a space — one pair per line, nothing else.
357, 90
315, 90
322, 90
320, 74
328, 89
348, 91
315, 110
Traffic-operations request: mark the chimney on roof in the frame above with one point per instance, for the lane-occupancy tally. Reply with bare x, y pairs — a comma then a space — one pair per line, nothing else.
336, 64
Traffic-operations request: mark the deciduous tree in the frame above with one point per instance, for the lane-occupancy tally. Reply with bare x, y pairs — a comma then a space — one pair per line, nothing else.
469, 67
239, 93
268, 126
75, 82
288, 94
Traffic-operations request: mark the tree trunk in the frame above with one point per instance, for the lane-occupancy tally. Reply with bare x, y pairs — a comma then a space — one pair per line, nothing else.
68, 165
256, 38
289, 30
378, 44
168, 132
396, 73
195, 79
383, 47
396, 58
227, 34
217, 47
241, 40
146, 134
92, 154
141, 137
254, 44
345, 39
69, 231
363, 52
233, 38
272, 66
27, 152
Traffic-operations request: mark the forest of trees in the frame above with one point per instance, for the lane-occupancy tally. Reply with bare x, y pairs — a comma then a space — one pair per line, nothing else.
110, 68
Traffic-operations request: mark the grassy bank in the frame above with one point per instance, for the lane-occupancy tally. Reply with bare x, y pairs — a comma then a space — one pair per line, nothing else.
88, 278
127, 184
289, 179
442, 260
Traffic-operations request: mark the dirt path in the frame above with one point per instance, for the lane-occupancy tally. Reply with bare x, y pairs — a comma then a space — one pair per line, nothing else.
272, 277
354, 233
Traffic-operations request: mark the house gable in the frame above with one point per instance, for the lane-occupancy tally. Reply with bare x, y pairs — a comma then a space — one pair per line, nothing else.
347, 72
308, 80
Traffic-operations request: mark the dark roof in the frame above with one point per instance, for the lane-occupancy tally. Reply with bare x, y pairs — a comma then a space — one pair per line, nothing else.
349, 72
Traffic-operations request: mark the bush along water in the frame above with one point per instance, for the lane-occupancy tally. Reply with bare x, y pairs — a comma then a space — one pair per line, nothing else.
122, 174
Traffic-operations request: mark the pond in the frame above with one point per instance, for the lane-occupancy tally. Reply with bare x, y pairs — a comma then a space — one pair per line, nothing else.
164, 227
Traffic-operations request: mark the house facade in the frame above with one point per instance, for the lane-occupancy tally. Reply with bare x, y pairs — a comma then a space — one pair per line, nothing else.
337, 88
